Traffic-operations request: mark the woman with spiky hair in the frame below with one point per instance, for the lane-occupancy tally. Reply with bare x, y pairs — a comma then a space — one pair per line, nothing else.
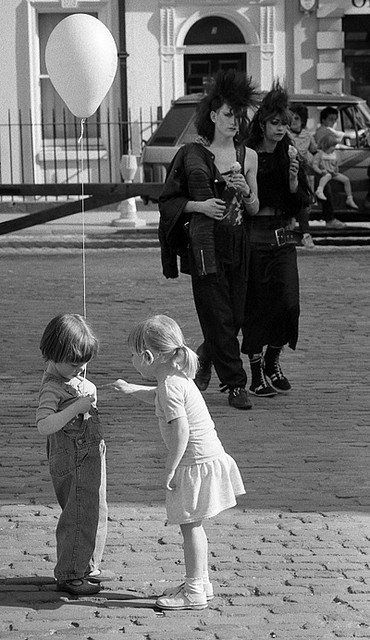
272, 307
219, 195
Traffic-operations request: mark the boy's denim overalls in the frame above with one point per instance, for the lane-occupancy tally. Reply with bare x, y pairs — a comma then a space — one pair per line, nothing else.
76, 456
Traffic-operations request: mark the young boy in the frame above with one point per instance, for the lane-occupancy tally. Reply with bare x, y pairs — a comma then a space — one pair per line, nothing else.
68, 416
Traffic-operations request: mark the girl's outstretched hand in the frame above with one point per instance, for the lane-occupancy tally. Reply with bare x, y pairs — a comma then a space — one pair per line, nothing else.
123, 386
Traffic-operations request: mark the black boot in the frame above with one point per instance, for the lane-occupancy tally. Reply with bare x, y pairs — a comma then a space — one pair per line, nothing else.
204, 373
259, 385
273, 370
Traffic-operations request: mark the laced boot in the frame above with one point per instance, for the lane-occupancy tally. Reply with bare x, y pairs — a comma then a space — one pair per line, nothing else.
273, 370
259, 385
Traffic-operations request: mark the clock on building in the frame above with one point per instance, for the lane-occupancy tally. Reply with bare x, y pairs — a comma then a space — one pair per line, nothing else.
307, 5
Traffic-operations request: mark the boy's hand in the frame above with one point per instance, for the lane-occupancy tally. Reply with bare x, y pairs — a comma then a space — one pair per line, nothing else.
84, 404
123, 386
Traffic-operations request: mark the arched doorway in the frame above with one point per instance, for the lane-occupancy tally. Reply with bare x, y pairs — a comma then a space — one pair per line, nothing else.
206, 52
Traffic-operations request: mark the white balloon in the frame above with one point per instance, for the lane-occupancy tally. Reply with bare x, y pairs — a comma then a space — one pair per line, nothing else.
81, 60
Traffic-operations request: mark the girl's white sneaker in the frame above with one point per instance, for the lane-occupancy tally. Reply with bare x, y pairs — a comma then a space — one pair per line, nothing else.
183, 600
173, 591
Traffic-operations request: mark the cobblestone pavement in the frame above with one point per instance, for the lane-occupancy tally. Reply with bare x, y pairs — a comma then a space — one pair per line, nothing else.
291, 561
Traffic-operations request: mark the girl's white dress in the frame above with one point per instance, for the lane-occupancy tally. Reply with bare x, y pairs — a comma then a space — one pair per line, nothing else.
207, 478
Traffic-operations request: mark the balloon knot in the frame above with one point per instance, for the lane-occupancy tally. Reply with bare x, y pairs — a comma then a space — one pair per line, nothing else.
83, 120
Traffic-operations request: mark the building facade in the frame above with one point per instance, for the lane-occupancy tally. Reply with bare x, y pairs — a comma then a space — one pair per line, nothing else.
166, 48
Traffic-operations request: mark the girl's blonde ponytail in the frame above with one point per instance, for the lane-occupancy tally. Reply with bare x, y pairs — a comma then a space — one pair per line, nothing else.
186, 361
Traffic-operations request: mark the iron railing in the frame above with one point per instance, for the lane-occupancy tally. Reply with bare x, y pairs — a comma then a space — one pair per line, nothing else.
52, 151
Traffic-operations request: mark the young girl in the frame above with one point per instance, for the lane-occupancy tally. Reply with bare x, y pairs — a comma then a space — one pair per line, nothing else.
325, 163
68, 416
201, 479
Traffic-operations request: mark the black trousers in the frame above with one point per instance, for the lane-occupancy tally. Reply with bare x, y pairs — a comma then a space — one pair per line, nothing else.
272, 304
220, 303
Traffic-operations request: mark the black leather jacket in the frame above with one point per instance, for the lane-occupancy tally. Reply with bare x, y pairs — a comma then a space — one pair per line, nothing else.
192, 175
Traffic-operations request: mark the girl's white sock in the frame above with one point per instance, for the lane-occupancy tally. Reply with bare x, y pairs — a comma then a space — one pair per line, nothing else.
194, 585
206, 579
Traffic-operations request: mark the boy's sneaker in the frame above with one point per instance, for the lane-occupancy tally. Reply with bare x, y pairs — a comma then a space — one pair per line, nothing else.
320, 194
239, 398
78, 587
307, 241
183, 600
351, 203
173, 591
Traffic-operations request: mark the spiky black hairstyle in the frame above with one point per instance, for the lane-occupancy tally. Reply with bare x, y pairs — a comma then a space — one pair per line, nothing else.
275, 103
229, 87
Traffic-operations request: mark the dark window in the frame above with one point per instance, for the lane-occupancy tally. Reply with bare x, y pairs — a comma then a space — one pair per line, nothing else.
55, 112
356, 55
173, 125
214, 30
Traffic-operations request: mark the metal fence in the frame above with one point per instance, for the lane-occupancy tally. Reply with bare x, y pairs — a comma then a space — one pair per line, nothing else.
53, 150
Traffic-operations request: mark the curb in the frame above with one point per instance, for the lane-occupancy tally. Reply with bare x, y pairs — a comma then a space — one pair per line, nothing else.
73, 242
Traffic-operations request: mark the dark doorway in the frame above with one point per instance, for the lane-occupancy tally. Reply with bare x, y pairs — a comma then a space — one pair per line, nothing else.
198, 69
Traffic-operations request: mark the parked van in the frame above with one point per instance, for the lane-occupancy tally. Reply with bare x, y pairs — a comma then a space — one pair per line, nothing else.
178, 127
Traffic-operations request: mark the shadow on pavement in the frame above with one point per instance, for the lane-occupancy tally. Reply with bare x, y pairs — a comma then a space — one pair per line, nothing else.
14, 592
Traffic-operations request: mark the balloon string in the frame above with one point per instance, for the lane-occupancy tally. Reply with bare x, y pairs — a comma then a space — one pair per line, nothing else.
80, 141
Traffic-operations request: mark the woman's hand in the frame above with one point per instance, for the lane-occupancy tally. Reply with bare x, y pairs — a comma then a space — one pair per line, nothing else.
213, 208
239, 183
293, 174
293, 168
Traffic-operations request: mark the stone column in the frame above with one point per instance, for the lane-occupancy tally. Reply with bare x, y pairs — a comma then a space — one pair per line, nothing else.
267, 22
330, 44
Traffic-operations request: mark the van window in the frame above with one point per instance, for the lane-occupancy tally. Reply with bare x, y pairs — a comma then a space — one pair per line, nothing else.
173, 125
355, 124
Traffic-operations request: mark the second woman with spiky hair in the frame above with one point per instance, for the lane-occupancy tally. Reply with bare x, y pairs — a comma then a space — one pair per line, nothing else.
219, 194
272, 309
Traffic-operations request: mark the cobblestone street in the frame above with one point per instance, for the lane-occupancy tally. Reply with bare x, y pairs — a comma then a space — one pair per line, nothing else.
291, 561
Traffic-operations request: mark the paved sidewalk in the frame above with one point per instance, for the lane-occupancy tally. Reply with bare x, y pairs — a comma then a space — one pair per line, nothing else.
291, 561
109, 228
104, 228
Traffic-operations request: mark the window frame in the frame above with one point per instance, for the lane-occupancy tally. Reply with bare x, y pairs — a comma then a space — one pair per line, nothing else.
43, 148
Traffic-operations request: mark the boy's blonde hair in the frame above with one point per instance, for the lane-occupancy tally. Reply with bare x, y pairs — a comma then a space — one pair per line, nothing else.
163, 335
327, 141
